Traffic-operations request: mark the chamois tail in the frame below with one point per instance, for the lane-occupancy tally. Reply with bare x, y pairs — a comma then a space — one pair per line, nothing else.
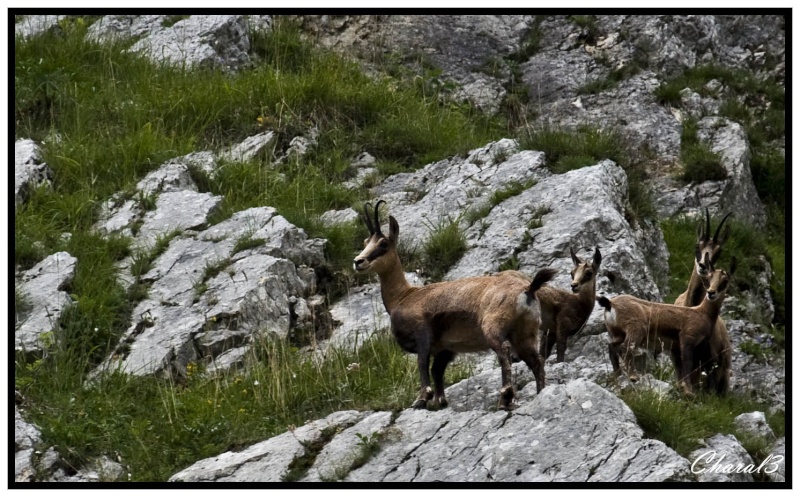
542, 276
604, 302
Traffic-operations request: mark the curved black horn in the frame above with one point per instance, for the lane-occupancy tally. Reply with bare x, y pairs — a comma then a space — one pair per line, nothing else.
708, 226
716, 235
377, 221
367, 208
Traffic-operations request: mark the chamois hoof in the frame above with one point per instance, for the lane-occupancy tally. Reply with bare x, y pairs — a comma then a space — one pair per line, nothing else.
633, 377
419, 404
506, 401
442, 402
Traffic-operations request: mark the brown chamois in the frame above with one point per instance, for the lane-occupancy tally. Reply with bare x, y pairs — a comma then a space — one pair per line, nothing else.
633, 322
714, 357
498, 312
565, 313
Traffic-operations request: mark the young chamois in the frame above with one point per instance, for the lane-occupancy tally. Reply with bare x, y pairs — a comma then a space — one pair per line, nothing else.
565, 313
714, 357
497, 312
633, 322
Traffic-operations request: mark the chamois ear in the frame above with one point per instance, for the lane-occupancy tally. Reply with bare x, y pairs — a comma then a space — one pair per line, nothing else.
575, 259
733, 266
704, 231
394, 229
597, 258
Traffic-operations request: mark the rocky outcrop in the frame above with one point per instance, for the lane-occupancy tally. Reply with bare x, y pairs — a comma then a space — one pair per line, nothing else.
43, 300
577, 432
207, 296
735, 194
270, 460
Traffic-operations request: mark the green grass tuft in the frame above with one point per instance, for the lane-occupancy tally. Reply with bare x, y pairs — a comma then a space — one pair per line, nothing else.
683, 424
444, 247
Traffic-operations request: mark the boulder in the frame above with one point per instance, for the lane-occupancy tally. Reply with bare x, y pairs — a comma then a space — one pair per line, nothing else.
218, 41
205, 299
754, 424
710, 462
42, 291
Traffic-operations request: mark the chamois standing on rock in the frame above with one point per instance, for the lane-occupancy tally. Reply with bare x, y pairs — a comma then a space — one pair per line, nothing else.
565, 313
633, 322
498, 312
714, 356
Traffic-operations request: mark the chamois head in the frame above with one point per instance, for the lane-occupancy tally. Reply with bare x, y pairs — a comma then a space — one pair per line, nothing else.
584, 272
716, 284
710, 246
377, 246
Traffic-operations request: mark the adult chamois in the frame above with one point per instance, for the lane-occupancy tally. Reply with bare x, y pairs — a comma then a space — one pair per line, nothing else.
498, 312
714, 356
633, 322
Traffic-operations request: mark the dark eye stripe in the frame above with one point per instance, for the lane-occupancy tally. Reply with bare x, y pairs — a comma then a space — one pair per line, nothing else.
377, 253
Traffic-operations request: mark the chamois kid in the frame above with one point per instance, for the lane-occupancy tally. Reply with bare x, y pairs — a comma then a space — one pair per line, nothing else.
633, 322
565, 313
498, 312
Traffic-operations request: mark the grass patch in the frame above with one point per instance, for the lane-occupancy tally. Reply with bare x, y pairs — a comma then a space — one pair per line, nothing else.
444, 247
478, 212
611, 80
170, 21
247, 242
683, 424
699, 162
158, 427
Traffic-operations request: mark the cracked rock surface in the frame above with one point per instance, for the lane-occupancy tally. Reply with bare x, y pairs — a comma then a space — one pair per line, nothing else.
577, 431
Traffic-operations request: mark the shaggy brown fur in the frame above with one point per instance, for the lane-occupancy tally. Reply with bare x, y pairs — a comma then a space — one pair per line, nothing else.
633, 322
497, 312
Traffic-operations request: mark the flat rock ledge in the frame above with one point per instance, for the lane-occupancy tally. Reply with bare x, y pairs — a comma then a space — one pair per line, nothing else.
573, 432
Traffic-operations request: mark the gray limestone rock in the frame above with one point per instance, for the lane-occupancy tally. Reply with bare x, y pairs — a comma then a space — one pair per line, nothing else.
347, 447
776, 466
31, 26
572, 432
250, 147
267, 461
29, 170
754, 424
711, 462
344, 216
124, 27
204, 299
219, 41
42, 290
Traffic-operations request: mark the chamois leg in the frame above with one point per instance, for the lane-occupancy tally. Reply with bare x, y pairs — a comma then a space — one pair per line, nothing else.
546, 342
614, 345
423, 363
526, 348
677, 361
440, 362
502, 347
561, 342
629, 346
687, 353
